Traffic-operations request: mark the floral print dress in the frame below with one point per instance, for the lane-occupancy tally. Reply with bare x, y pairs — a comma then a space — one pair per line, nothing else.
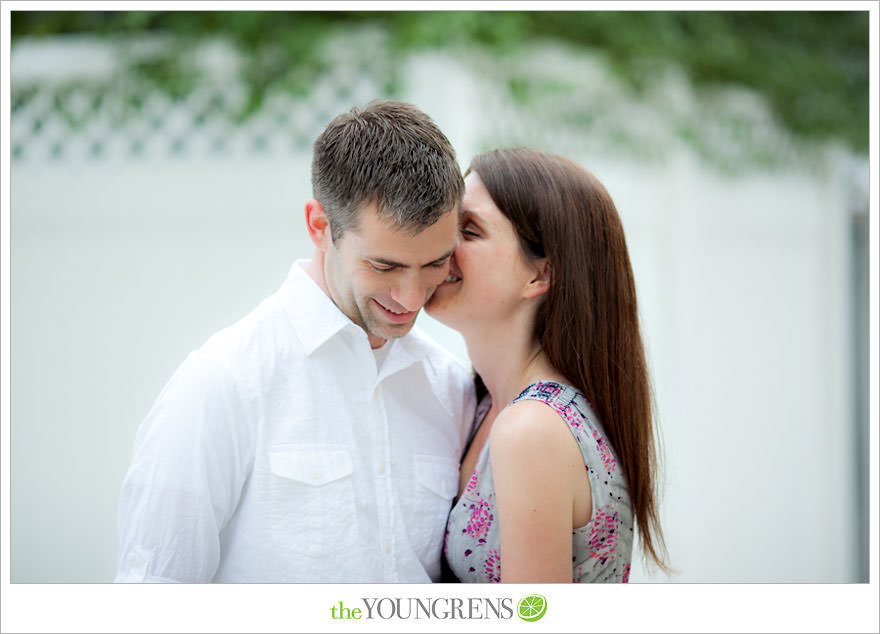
602, 549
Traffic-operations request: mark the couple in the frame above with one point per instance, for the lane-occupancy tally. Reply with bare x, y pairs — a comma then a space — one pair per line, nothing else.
323, 439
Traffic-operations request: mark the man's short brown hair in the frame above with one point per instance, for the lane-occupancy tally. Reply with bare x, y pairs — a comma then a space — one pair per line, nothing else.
389, 153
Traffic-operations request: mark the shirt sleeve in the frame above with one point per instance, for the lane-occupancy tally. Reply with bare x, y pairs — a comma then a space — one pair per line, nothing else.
191, 458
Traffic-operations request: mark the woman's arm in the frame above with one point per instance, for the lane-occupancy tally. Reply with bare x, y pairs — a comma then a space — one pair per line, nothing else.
537, 467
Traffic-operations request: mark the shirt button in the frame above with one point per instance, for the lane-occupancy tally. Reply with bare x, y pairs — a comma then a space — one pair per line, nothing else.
387, 548
382, 468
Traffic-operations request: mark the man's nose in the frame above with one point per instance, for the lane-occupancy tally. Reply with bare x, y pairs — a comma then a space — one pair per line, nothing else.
410, 293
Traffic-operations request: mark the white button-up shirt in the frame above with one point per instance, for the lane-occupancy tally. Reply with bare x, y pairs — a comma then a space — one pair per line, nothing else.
279, 452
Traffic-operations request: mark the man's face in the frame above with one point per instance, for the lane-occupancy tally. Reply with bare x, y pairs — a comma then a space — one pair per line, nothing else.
380, 276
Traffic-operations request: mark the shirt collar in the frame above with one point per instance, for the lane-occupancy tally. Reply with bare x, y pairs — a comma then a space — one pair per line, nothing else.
405, 351
313, 314
317, 319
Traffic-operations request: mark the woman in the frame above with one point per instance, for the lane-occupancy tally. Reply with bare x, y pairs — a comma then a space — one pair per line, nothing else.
562, 459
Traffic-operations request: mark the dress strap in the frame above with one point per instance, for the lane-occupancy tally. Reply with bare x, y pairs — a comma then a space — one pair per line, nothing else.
479, 416
562, 398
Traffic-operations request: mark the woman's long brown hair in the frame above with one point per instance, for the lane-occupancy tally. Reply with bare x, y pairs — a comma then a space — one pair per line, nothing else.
588, 324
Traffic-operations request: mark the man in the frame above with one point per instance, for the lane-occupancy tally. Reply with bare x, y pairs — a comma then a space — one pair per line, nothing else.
318, 439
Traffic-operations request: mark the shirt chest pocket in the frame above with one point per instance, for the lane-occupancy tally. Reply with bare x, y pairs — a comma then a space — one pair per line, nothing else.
312, 498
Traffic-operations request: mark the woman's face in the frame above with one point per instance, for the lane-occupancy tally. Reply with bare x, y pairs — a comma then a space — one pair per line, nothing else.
489, 270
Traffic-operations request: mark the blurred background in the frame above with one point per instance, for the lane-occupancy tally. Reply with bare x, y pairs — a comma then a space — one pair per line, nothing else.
160, 163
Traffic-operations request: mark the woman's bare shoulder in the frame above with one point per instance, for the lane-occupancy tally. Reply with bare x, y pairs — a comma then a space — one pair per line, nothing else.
528, 429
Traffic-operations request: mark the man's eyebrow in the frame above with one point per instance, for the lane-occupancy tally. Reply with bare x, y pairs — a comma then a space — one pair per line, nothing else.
440, 259
401, 265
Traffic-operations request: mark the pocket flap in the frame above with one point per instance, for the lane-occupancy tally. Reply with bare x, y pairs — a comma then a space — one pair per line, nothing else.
437, 474
311, 464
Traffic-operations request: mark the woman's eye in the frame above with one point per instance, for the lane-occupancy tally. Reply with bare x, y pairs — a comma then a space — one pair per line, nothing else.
468, 232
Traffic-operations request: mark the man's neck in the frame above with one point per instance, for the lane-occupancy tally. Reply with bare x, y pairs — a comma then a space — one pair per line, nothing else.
315, 270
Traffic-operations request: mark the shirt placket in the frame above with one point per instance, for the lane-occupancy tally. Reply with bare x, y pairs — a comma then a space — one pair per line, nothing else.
385, 487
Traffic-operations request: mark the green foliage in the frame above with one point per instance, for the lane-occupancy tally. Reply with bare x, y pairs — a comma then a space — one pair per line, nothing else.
811, 66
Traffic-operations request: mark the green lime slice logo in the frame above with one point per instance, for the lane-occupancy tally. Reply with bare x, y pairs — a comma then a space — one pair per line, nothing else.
532, 607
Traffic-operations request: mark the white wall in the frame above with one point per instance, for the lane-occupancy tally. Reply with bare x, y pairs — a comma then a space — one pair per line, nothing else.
116, 275
120, 267
746, 308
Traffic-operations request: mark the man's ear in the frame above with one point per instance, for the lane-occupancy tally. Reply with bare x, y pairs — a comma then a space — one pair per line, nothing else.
540, 282
317, 224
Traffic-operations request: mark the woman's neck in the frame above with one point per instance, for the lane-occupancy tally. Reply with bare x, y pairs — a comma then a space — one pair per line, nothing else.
508, 359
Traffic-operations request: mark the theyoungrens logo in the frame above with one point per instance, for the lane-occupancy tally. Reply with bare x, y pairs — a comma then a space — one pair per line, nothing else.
530, 608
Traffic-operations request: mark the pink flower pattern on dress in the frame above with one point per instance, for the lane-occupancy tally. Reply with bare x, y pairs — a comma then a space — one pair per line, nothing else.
472, 483
603, 537
493, 566
605, 452
548, 389
571, 417
480, 521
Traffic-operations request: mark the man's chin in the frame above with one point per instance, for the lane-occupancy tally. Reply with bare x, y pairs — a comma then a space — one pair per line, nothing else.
383, 324
392, 331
